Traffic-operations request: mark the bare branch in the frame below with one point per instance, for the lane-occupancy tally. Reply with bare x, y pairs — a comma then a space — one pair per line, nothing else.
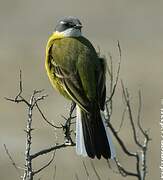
46, 165
18, 98
45, 119
73, 117
144, 157
28, 173
45, 151
117, 75
123, 171
127, 100
39, 99
121, 143
138, 166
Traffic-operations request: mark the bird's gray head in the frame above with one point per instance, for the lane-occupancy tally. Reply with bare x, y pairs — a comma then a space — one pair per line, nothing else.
69, 26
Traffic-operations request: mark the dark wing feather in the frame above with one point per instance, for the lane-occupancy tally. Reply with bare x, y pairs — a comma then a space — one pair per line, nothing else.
71, 83
74, 88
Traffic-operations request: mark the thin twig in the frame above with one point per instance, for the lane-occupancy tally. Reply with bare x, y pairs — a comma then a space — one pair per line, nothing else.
45, 119
108, 163
117, 75
94, 169
18, 100
110, 71
12, 160
86, 170
126, 97
46, 165
76, 176
139, 113
39, 99
123, 171
20, 86
122, 120
55, 171
120, 141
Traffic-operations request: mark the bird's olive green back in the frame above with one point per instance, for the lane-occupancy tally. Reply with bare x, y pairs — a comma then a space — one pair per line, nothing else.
76, 55
75, 67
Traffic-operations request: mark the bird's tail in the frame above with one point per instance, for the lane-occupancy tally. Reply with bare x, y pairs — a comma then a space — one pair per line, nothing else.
92, 136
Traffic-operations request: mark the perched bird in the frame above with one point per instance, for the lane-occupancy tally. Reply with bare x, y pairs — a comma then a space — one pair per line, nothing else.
78, 73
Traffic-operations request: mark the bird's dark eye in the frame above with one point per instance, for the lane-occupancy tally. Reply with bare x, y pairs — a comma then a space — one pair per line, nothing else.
68, 24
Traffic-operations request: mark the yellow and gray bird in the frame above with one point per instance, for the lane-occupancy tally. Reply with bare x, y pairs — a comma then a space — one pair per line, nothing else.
78, 73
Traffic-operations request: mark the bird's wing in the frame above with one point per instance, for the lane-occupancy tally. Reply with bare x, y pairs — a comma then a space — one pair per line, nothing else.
80, 72
64, 69
73, 87
92, 70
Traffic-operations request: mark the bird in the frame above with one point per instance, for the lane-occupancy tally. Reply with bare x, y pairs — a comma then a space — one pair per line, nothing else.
78, 73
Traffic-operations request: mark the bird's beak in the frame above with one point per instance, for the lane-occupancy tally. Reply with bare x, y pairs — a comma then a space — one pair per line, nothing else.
78, 26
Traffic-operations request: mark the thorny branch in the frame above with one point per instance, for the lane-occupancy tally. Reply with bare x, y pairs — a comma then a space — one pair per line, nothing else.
140, 155
46, 165
48, 150
33, 102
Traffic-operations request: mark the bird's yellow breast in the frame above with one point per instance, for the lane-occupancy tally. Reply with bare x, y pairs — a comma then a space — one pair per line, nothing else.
55, 81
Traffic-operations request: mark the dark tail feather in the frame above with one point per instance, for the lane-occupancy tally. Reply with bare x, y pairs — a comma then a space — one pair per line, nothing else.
95, 137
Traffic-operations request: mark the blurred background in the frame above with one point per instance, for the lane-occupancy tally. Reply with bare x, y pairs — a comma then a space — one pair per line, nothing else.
24, 30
